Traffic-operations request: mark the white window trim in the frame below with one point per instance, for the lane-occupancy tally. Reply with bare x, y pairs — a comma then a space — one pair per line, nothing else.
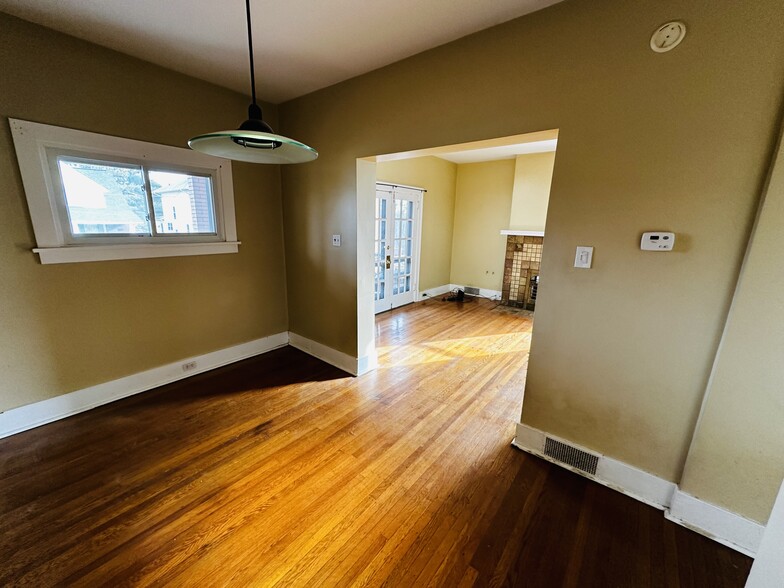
32, 141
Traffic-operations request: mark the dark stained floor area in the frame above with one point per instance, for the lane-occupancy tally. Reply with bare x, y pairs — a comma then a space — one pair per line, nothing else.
283, 471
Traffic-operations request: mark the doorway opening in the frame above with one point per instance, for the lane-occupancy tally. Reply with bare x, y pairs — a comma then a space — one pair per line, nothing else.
475, 213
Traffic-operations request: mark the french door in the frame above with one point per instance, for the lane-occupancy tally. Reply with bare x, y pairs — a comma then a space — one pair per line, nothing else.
398, 226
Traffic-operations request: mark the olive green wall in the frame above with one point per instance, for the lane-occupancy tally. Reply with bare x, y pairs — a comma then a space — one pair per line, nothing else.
437, 176
737, 457
531, 194
621, 353
483, 201
66, 327
677, 141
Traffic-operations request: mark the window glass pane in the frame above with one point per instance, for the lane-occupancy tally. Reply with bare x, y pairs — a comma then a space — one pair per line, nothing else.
104, 199
182, 202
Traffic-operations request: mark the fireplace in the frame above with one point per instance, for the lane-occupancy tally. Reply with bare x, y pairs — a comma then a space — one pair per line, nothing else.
521, 271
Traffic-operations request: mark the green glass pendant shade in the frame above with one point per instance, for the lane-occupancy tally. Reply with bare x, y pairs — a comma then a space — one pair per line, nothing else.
254, 141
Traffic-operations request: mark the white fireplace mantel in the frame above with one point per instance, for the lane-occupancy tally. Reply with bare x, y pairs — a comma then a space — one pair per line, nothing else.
522, 233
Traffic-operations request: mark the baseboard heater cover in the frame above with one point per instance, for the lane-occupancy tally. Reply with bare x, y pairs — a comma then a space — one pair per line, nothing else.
571, 456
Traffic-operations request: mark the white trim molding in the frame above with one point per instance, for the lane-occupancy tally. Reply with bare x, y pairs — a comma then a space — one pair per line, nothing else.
34, 415
610, 472
353, 365
46, 411
434, 292
768, 568
522, 233
447, 288
716, 523
141, 251
491, 294
728, 528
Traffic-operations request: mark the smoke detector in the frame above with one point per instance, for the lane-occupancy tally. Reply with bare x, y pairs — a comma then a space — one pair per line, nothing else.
668, 36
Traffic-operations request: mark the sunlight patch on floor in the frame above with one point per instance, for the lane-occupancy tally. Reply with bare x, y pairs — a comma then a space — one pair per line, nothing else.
450, 349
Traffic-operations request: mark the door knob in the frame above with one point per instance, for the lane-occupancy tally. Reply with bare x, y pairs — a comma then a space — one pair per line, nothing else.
389, 261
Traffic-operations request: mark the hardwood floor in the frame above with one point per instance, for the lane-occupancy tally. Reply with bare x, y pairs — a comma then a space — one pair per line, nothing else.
283, 471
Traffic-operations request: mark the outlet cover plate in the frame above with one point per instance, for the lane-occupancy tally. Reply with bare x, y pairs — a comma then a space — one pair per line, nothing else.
583, 257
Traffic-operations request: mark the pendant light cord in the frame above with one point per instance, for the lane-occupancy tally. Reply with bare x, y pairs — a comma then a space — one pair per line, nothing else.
250, 52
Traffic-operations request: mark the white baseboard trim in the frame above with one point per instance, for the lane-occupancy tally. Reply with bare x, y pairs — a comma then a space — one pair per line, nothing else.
434, 292
40, 413
331, 356
491, 294
728, 528
610, 472
367, 364
768, 568
446, 288
721, 525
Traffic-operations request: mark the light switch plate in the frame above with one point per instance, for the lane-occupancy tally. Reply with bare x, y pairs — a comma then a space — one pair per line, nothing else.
336, 240
657, 241
583, 257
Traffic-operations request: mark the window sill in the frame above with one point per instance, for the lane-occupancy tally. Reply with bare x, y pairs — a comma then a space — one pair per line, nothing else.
82, 253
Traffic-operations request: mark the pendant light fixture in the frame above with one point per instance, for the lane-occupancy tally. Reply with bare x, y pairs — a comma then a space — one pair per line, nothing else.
254, 141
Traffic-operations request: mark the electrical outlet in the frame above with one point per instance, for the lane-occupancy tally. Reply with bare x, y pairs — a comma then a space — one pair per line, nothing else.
189, 367
336, 240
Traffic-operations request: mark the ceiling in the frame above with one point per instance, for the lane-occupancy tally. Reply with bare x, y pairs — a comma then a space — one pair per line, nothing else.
484, 150
501, 152
300, 45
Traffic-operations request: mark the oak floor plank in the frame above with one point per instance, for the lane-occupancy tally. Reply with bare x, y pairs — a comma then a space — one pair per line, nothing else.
282, 470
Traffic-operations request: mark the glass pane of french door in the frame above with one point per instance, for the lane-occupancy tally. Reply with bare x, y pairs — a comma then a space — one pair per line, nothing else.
381, 239
402, 251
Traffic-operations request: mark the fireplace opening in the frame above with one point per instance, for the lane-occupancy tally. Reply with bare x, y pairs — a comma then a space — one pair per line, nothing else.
521, 271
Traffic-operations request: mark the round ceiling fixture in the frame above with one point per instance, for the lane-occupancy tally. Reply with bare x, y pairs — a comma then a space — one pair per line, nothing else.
254, 141
668, 36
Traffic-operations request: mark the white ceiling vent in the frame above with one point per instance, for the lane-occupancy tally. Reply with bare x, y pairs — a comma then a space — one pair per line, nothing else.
577, 458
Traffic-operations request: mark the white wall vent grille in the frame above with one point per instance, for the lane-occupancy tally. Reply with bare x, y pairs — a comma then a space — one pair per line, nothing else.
582, 460
472, 291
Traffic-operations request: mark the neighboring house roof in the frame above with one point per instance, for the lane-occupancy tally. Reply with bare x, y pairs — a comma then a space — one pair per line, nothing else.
117, 211
183, 186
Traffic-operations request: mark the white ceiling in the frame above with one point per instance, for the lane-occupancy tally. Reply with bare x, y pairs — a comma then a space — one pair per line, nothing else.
501, 152
300, 45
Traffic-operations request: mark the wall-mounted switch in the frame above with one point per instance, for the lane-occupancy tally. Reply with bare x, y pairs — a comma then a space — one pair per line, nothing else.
336, 240
657, 241
583, 257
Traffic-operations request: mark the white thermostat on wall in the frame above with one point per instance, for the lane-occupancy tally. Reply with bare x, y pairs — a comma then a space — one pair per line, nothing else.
657, 241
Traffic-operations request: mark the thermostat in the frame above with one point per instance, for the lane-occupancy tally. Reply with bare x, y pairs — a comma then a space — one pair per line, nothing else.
656, 241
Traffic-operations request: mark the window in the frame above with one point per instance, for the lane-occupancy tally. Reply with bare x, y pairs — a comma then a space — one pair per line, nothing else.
96, 197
